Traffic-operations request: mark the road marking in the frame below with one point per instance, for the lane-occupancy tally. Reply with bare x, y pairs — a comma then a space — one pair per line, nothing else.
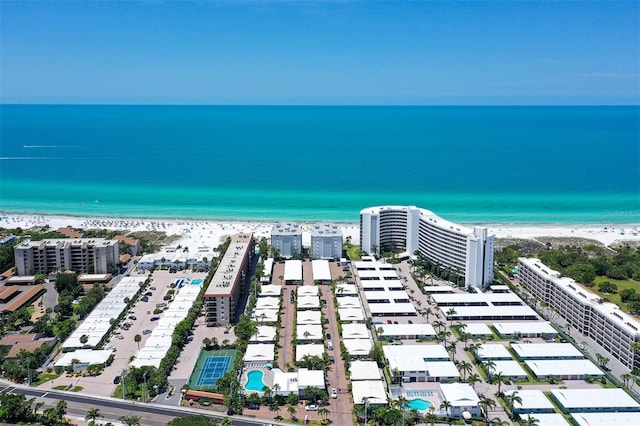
45, 394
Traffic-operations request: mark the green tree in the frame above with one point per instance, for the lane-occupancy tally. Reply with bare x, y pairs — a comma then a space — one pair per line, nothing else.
446, 406
130, 420
291, 409
55, 416
137, 338
15, 407
92, 415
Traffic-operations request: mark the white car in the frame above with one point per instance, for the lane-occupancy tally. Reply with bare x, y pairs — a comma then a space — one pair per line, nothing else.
334, 393
311, 407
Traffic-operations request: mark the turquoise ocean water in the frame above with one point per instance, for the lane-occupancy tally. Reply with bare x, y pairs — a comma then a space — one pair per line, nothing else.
468, 164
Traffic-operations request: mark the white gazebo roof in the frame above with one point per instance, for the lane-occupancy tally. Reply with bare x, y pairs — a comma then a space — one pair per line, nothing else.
358, 347
355, 331
257, 352
364, 370
351, 314
316, 349
372, 391
314, 332
459, 394
308, 302
320, 270
308, 317
308, 290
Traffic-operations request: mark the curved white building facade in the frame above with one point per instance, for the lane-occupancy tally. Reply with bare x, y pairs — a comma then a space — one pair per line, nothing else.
409, 228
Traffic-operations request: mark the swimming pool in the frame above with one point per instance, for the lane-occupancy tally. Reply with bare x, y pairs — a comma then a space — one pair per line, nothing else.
255, 382
419, 404
197, 281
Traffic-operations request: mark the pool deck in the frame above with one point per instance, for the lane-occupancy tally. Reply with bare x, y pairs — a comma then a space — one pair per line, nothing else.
426, 391
267, 378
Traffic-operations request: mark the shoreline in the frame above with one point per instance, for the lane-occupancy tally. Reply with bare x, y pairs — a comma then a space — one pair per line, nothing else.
211, 231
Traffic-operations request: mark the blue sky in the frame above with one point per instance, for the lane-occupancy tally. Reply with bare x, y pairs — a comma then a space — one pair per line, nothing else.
314, 52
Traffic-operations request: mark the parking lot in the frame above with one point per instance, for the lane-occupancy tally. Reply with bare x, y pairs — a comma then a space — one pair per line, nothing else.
125, 345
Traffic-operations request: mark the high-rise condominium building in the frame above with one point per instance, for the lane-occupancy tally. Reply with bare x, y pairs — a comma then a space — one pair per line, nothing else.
465, 251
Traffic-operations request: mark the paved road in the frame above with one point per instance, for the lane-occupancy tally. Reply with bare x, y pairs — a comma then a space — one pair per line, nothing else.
149, 413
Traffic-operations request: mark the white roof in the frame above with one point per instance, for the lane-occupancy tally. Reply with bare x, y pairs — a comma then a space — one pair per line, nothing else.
533, 399
308, 317
386, 295
259, 352
364, 370
314, 331
607, 419
265, 333
268, 303
308, 302
376, 274
358, 347
346, 290
459, 394
493, 351
387, 284
441, 369
320, 270
355, 331
477, 329
578, 399
270, 315
530, 327
351, 314
311, 350
349, 302
437, 289
510, 368
406, 329
382, 309
96, 324
371, 390
307, 290
270, 290
413, 357
547, 419
287, 382
445, 299
563, 367
83, 356
310, 379
268, 267
293, 270
546, 350
489, 312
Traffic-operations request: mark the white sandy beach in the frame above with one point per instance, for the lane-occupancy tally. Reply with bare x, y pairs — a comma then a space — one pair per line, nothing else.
210, 232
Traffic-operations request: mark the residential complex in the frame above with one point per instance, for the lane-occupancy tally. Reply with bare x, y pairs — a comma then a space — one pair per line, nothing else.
228, 284
605, 323
464, 251
286, 238
326, 241
81, 255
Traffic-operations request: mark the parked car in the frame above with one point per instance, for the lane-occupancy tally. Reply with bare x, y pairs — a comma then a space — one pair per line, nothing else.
144, 299
332, 359
334, 393
328, 335
119, 336
410, 322
154, 318
116, 380
167, 297
152, 288
161, 305
311, 407
395, 322
254, 406
330, 345
388, 321
148, 293
146, 332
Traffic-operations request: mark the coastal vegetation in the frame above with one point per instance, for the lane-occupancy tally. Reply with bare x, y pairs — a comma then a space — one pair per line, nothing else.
612, 273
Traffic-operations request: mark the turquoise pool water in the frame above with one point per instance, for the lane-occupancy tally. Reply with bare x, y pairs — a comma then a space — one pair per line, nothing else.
419, 404
196, 282
255, 382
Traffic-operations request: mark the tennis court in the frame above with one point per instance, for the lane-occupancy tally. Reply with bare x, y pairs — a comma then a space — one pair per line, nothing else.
214, 367
210, 366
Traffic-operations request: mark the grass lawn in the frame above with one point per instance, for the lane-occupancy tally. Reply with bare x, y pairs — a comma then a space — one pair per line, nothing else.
622, 285
353, 252
45, 377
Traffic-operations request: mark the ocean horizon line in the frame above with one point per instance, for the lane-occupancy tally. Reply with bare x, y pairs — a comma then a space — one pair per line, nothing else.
327, 105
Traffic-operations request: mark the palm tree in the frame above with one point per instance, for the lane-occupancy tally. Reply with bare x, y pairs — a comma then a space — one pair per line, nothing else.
267, 392
226, 422
92, 415
137, 338
511, 399
529, 421
450, 314
446, 406
489, 367
500, 379
473, 379
324, 413
486, 404
402, 402
474, 348
427, 311
465, 368
438, 325
292, 411
451, 348
497, 421
276, 388
131, 420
